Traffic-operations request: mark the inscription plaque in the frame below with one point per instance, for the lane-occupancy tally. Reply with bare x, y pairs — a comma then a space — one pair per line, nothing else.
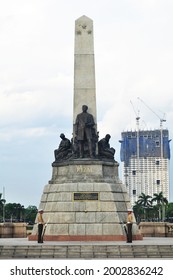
85, 196
83, 169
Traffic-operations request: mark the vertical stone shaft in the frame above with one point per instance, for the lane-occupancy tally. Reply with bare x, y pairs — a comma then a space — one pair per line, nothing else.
84, 68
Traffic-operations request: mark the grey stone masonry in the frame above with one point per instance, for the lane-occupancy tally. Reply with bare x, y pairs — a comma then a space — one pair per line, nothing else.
83, 250
84, 67
82, 199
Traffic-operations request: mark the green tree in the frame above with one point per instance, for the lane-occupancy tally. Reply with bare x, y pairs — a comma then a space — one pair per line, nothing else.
17, 212
161, 202
169, 210
14, 211
138, 211
145, 202
30, 213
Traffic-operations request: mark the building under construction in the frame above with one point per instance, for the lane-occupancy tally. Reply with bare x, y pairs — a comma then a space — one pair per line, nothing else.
145, 155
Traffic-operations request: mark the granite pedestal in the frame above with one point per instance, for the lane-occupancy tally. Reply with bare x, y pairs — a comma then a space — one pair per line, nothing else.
85, 201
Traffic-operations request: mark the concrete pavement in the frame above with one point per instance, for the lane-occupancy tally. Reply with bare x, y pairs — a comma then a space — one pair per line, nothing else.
145, 241
149, 247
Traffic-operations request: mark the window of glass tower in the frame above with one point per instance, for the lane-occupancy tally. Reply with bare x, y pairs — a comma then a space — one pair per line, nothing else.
157, 143
158, 182
134, 192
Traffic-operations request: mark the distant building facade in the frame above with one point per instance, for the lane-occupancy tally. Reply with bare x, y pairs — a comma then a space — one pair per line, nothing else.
145, 155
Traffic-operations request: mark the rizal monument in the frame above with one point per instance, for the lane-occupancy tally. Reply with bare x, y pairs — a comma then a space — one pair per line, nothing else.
85, 199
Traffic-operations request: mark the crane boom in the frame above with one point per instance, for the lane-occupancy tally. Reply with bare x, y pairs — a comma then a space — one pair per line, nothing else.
161, 119
137, 114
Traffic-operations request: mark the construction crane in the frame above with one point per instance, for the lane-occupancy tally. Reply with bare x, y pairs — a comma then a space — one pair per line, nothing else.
137, 149
137, 115
161, 139
161, 119
161, 126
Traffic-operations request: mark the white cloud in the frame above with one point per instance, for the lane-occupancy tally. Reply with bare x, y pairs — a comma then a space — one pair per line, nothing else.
133, 54
31, 100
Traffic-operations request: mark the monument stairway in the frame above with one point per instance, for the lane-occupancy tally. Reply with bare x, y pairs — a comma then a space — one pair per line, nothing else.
84, 251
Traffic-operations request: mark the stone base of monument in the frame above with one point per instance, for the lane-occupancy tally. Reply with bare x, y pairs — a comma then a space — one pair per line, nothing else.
85, 201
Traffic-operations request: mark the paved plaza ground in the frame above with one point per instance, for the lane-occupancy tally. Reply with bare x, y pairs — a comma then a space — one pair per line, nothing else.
145, 241
149, 247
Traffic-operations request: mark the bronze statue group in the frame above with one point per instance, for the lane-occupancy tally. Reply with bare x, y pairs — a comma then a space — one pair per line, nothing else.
83, 143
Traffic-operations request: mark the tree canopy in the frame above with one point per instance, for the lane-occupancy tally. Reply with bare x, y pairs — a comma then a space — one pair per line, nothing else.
153, 208
16, 212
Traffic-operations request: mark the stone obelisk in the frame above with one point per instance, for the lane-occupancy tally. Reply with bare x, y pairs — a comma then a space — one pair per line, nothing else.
84, 200
84, 68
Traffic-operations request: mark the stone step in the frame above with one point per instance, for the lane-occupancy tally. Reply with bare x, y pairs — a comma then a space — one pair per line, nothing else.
86, 252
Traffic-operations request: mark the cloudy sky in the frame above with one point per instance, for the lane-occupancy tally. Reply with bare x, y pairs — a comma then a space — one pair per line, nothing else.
133, 42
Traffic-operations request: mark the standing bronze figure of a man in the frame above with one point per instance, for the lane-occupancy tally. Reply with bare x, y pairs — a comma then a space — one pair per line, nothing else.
84, 131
